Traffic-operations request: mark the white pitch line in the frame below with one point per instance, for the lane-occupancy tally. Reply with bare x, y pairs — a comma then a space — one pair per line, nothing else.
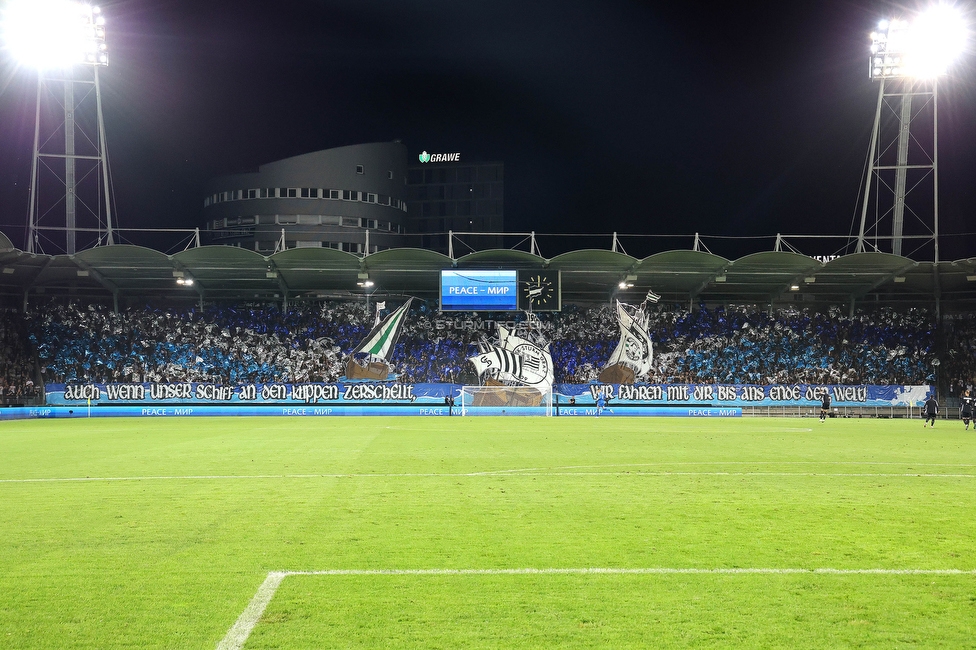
490, 474
238, 634
241, 629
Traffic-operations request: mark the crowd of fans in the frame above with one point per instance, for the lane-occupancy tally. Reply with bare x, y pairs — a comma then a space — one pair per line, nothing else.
959, 362
17, 368
310, 342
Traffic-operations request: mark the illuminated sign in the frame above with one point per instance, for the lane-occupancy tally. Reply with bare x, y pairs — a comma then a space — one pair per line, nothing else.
439, 157
479, 290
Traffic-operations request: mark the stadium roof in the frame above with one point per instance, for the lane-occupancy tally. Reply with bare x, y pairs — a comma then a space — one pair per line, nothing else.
688, 276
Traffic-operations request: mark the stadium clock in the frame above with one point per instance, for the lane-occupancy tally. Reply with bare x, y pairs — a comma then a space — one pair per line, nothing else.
539, 290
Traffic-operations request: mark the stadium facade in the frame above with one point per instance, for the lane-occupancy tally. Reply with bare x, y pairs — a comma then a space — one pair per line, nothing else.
359, 199
328, 198
455, 195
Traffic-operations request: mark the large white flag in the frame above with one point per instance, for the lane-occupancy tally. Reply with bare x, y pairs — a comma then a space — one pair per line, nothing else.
635, 348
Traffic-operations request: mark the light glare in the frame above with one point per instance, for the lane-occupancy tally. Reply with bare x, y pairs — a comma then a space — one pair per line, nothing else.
924, 48
51, 34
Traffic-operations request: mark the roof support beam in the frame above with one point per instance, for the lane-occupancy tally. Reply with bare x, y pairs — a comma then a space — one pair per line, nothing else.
857, 295
795, 280
701, 287
101, 279
285, 291
197, 286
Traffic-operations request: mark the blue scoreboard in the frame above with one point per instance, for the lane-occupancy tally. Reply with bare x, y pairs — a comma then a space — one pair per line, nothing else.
525, 290
479, 290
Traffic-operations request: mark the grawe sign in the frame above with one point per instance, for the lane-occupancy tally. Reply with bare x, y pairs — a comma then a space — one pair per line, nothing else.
439, 157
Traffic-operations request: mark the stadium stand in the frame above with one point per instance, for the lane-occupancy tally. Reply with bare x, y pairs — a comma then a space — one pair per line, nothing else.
262, 343
18, 370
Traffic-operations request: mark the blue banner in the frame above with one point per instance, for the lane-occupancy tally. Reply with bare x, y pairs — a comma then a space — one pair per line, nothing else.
422, 395
719, 395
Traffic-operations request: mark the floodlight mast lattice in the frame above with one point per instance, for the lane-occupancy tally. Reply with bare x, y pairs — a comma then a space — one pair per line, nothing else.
907, 59
65, 41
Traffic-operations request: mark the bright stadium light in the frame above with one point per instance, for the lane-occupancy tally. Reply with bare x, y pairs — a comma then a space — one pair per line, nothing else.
923, 48
54, 34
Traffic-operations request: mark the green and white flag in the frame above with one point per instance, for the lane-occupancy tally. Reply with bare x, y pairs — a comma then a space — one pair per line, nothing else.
383, 337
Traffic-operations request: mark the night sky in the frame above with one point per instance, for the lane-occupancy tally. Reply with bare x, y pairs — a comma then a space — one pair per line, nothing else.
638, 117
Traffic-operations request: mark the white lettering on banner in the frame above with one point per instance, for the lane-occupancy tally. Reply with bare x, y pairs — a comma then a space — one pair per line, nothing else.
213, 392
384, 392
135, 392
815, 393
247, 393
641, 393
154, 411
726, 393
700, 413
784, 393
274, 392
313, 393
170, 391
704, 392
753, 394
432, 411
82, 392
850, 393
678, 393
605, 389
293, 411
321, 411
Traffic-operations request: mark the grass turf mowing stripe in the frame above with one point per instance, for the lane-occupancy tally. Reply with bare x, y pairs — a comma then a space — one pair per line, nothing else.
93, 479
239, 632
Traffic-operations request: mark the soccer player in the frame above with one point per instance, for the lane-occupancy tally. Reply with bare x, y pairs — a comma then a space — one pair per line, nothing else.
825, 407
967, 409
931, 410
601, 404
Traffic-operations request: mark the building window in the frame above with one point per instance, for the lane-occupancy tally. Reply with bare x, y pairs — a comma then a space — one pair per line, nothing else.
310, 193
267, 192
360, 169
252, 194
333, 194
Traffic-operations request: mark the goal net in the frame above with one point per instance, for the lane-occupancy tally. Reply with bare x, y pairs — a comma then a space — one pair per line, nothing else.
507, 400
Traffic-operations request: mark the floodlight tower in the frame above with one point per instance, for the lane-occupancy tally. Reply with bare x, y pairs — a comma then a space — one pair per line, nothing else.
70, 201
907, 59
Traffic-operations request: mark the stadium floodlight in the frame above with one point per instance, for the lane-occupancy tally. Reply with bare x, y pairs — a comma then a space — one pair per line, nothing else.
64, 41
923, 48
54, 34
908, 58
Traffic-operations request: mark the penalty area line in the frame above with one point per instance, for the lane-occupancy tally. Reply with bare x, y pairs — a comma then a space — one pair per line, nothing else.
239, 632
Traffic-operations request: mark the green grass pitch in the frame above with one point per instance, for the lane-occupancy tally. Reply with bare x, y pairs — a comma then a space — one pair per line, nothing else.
157, 533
